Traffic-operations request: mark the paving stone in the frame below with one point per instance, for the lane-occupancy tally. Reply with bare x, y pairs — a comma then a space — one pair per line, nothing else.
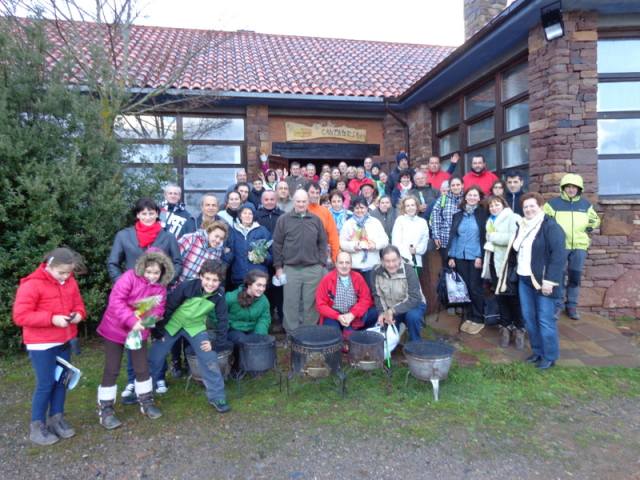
619, 346
497, 357
518, 355
564, 343
491, 332
595, 332
478, 343
466, 359
594, 350
598, 321
614, 360
566, 362
571, 333
572, 353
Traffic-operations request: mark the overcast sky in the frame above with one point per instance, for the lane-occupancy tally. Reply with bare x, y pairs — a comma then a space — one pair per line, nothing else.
433, 22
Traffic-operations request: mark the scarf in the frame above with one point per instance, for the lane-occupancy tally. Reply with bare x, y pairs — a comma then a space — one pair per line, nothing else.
170, 207
232, 213
147, 234
470, 209
340, 217
360, 221
530, 227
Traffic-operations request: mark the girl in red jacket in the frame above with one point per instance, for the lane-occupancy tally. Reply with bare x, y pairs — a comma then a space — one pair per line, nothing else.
149, 279
48, 307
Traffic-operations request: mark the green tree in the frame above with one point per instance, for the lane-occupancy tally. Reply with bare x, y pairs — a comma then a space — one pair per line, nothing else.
61, 170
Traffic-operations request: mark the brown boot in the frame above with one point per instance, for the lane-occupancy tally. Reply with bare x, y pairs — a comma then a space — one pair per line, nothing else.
106, 399
519, 333
506, 336
147, 407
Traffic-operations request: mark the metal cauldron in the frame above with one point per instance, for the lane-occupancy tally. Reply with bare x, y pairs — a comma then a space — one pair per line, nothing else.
224, 362
257, 353
429, 361
366, 350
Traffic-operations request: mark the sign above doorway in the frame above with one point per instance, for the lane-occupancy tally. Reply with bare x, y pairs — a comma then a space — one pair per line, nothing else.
299, 131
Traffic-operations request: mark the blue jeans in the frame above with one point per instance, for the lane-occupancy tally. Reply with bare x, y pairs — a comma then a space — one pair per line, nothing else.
539, 315
369, 319
575, 264
49, 394
207, 361
413, 319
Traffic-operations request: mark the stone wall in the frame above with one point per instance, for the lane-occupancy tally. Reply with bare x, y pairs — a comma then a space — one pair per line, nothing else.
419, 121
257, 136
564, 138
393, 135
477, 13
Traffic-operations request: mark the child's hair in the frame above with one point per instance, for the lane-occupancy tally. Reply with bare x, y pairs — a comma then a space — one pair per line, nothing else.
213, 266
65, 256
152, 262
244, 299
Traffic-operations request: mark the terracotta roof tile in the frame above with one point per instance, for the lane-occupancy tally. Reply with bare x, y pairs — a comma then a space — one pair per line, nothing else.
252, 62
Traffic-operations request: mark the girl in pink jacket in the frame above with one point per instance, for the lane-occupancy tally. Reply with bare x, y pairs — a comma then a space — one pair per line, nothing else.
152, 272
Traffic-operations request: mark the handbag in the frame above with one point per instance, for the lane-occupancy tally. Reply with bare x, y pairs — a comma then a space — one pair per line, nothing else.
456, 288
391, 337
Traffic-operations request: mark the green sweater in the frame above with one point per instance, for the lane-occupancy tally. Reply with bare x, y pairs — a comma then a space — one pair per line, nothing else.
255, 319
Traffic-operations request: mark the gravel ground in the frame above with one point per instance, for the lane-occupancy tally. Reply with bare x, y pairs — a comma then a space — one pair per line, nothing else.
580, 441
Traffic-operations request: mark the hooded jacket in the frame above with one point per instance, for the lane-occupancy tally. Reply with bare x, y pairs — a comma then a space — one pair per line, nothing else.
119, 317
242, 246
575, 215
39, 298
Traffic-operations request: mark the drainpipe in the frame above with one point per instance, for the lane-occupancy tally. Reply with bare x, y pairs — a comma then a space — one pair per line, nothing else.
407, 148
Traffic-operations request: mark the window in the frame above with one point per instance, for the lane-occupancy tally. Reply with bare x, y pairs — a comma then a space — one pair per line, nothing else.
213, 153
618, 116
490, 120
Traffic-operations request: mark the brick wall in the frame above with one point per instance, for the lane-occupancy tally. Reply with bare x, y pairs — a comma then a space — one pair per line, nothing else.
257, 136
419, 121
477, 13
564, 138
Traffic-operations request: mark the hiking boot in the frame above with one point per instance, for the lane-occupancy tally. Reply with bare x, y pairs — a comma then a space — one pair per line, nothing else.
573, 314
519, 333
451, 311
221, 405
176, 369
107, 417
147, 406
41, 434
506, 336
161, 387
465, 326
60, 427
475, 328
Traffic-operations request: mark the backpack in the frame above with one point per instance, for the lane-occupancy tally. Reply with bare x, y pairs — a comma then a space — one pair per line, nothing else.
491, 311
441, 287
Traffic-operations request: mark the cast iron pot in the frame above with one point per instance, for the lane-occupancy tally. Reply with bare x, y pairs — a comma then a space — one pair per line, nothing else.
366, 350
316, 351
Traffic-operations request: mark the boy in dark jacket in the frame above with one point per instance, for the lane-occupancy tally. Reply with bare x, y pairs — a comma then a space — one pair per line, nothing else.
196, 311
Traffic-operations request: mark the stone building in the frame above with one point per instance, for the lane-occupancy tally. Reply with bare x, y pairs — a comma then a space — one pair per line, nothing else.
546, 107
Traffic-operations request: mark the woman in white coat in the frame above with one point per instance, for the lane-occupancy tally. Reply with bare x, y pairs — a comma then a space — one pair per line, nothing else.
410, 232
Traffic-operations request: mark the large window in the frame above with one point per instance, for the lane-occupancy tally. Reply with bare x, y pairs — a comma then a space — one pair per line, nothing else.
490, 120
619, 116
207, 159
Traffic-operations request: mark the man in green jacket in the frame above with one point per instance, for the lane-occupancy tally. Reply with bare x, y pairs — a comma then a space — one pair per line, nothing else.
577, 217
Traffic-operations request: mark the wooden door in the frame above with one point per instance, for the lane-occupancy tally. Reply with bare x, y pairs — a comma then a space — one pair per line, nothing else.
387, 163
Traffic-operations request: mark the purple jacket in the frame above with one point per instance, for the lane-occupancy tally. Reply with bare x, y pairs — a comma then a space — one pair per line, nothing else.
119, 318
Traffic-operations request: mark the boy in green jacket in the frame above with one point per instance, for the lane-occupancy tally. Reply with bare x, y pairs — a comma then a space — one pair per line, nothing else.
191, 312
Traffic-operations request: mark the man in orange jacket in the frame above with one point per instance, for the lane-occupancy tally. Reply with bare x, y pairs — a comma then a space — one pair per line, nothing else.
313, 189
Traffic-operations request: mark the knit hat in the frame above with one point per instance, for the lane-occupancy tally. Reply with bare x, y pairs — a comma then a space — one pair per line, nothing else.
248, 205
400, 156
375, 165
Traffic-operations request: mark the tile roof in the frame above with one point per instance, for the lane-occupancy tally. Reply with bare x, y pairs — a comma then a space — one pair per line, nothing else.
263, 63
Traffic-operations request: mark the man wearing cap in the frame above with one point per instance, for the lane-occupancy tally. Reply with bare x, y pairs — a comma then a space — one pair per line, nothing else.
394, 177
369, 193
424, 192
435, 175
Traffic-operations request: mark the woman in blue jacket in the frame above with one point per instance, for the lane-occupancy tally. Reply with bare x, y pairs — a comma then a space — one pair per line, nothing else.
246, 233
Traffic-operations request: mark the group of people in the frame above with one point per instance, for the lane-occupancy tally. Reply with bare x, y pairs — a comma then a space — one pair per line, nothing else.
286, 250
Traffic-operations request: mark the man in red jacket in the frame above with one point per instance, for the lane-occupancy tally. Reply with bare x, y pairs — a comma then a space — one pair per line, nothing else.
479, 175
344, 299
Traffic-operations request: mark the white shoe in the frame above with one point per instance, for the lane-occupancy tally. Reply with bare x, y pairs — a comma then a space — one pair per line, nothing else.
128, 390
161, 387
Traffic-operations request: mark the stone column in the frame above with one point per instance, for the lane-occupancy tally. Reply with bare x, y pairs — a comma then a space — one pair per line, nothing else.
477, 13
419, 121
257, 134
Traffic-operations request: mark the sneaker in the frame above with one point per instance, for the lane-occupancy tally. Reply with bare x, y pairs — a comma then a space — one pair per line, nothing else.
129, 390
458, 309
475, 328
573, 314
161, 387
465, 326
176, 369
451, 311
221, 405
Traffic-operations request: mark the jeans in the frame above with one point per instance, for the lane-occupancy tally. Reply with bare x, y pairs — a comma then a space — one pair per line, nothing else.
207, 361
369, 319
413, 319
49, 394
236, 336
539, 315
575, 263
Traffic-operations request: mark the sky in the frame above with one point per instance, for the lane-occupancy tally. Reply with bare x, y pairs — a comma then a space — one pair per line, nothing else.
431, 22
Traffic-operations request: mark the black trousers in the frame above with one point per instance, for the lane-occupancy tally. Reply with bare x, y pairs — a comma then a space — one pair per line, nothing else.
472, 277
508, 305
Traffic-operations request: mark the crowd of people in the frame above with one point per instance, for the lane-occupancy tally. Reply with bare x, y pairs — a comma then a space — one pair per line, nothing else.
342, 247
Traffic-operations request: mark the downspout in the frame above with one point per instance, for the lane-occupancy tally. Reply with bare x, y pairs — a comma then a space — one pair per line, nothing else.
407, 147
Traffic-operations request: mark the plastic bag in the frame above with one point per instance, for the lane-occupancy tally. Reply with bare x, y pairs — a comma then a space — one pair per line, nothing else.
391, 337
456, 288
134, 341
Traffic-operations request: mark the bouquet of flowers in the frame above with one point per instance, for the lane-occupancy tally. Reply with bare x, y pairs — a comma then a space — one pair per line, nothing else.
488, 246
259, 251
143, 313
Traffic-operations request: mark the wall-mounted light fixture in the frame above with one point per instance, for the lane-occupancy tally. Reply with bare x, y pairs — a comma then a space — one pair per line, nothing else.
551, 17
